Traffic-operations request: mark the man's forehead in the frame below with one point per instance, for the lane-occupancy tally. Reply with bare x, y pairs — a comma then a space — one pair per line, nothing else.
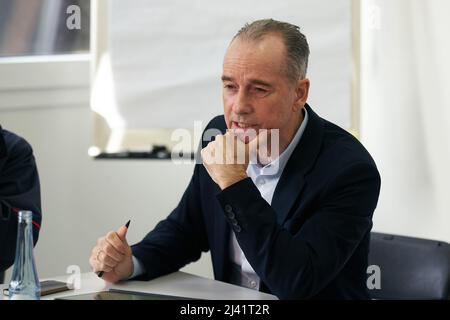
254, 57
269, 45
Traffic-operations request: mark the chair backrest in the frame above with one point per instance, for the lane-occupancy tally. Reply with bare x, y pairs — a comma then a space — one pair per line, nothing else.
410, 268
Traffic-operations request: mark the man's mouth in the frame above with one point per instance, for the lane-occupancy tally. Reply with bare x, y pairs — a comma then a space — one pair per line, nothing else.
245, 131
242, 126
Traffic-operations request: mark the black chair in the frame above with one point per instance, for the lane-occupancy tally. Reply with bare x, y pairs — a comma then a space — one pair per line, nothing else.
410, 268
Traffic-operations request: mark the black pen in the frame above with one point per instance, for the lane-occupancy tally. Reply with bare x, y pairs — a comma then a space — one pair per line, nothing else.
100, 274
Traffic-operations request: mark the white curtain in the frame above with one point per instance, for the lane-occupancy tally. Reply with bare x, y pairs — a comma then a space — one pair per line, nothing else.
165, 58
405, 112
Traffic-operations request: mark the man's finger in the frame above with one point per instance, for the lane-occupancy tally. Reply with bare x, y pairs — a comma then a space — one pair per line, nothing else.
94, 262
106, 260
112, 252
252, 148
103, 267
116, 241
218, 150
236, 150
206, 157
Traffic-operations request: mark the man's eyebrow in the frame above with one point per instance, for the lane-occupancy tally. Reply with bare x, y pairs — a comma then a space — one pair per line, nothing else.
227, 78
260, 82
252, 81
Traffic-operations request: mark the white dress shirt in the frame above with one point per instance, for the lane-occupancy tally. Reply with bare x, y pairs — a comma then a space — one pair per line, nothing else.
266, 180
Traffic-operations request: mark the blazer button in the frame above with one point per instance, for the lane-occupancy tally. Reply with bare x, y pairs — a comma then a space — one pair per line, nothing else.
230, 215
237, 229
228, 208
234, 222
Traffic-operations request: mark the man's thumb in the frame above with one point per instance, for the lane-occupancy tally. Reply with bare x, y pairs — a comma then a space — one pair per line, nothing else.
122, 231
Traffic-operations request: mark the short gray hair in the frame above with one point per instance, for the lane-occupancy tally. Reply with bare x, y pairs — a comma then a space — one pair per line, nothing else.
296, 44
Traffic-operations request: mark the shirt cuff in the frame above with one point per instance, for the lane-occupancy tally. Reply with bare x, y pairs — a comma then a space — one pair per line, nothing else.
138, 268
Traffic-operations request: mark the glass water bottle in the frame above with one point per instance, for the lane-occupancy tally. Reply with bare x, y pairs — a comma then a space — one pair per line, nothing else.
24, 283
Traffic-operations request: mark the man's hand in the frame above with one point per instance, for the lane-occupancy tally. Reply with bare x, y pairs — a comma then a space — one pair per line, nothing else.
113, 256
226, 159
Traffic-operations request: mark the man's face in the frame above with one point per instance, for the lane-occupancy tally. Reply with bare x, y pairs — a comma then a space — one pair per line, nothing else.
257, 93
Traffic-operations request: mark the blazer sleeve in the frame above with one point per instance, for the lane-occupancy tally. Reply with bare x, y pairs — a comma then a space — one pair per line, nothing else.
298, 266
19, 190
177, 240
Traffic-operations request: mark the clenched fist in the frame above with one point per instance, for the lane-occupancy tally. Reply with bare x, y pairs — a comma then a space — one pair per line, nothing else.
227, 157
113, 256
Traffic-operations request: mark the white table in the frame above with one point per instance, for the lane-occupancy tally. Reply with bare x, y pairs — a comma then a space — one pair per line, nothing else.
176, 284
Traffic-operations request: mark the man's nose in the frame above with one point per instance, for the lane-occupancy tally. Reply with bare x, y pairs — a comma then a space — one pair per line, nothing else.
242, 104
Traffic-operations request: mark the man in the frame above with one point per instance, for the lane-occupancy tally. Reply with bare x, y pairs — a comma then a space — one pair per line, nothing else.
19, 190
301, 231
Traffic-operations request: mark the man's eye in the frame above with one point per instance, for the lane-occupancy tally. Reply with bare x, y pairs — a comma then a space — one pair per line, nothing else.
229, 86
260, 91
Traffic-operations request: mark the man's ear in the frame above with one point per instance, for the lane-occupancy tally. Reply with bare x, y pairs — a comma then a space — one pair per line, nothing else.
302, 92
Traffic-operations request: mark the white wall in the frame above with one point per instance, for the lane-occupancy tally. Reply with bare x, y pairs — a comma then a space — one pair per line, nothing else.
84, 198
405, 118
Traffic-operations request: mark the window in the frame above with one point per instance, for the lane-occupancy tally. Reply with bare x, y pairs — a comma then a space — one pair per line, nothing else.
44, 53
39, 27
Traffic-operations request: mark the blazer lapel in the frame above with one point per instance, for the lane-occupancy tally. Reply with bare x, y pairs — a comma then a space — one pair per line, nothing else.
292, 180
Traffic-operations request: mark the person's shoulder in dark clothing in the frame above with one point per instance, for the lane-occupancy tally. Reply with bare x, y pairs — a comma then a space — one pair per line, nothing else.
19, 190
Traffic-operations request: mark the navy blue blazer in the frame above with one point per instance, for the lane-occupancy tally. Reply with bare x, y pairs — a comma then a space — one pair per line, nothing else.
19, 190
312, 242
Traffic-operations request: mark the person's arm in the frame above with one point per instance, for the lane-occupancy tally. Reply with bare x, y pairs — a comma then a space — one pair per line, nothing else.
19, 190
177, 240
174, 242
296, 266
